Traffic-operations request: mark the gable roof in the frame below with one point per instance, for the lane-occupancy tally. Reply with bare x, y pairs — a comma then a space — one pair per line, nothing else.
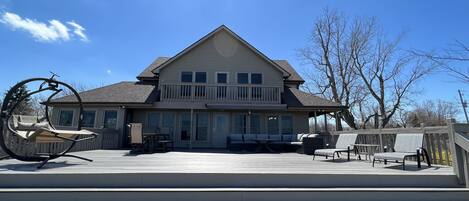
148, 72
209, 35
122, 92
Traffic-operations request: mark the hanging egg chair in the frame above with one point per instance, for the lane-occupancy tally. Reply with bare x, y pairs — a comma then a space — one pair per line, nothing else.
19, 134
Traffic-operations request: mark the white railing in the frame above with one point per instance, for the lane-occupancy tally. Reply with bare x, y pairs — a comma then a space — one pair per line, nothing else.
220, 93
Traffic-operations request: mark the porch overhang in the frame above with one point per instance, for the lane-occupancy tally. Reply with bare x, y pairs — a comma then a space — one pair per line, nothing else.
226, 106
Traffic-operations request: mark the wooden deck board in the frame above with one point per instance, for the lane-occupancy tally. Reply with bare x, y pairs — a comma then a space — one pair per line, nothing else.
118, 161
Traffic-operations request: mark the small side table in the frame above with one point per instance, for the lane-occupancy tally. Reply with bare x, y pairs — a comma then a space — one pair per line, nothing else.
366, 149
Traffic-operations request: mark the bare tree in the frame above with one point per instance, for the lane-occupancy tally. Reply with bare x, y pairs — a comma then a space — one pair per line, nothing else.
332, 73
387, 72
431, 113
454, 60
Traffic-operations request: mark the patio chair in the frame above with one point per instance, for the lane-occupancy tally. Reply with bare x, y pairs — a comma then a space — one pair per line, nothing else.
406, 145
344, 144
234, 141
136, 138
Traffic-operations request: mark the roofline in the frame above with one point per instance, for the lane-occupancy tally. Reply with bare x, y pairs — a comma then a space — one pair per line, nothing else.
222, 27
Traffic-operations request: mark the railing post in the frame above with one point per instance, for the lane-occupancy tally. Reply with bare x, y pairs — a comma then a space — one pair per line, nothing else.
457, 157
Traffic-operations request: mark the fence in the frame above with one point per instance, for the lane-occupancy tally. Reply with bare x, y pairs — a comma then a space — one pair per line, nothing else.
436, 140
107, 139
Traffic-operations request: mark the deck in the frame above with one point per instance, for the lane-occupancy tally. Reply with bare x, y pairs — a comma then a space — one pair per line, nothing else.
115, 175
223, 169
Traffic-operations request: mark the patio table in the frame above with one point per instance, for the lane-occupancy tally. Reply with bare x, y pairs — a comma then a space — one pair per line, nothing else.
366, 149
264, 145
152, 140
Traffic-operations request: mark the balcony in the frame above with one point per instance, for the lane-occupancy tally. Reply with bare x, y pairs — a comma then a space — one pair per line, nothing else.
221, 93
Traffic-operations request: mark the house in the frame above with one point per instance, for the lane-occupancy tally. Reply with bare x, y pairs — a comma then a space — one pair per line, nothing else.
216, 86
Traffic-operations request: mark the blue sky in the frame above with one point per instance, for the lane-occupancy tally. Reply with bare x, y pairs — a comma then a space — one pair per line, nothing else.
123, 37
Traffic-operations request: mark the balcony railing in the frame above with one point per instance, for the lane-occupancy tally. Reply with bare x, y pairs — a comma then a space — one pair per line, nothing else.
221, 93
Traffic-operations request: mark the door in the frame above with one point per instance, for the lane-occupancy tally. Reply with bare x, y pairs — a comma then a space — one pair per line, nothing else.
220, 129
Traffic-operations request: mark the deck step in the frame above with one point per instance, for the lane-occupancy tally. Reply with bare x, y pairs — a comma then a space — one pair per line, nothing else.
223, 180
234, 194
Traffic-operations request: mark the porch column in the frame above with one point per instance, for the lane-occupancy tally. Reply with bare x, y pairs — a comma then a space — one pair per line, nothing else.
191, 137
338, 124
325, 123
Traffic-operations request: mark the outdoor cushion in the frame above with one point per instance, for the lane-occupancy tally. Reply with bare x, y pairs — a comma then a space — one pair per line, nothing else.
28, 119
236, 137
287, 138
393, 155
275, 137
299, 137
249, 138
327, 152
262, 137
295, 143
31, 126
236, 142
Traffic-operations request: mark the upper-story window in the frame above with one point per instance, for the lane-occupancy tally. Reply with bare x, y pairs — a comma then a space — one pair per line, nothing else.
256, 78
186, 76
243, 78
200, 77
222, 78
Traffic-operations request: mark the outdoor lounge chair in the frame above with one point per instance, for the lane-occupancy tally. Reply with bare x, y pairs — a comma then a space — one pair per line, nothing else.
406, 145
344, 144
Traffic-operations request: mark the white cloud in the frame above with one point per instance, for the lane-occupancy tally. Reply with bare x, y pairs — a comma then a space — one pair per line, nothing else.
51, 32
78, 30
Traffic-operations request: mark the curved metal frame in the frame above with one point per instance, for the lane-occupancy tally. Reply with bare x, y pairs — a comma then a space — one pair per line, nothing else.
6, 113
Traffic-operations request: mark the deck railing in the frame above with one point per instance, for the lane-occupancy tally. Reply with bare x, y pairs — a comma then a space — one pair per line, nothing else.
220, 93
446, 145
436, 140
459, 137
107, 139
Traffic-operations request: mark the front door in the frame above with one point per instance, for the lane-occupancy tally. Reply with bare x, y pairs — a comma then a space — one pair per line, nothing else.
220, 129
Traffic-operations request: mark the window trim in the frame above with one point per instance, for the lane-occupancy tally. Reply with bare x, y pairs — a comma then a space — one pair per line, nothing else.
104, 117
67, 110
227, 77
95, 121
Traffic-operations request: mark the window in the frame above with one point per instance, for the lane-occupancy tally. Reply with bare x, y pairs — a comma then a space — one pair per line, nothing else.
222, 78
168, 123
66, 118
199, 90
185, 126
200, 77
255, 124
153, 121
256, 78
240, 124
243, 78
186, 76
272, 125
88, 119
287, 125
110, 119
201, 130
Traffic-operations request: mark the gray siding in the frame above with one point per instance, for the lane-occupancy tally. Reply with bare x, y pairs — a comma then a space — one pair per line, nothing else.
221, 53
